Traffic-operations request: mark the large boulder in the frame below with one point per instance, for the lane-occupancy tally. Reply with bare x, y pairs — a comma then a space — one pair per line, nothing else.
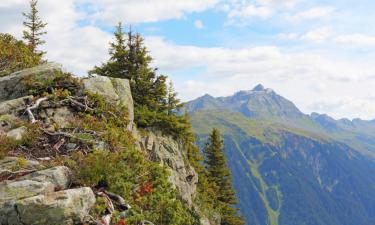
63, 207
41, 197
115, 90
171, 154
17, 133
39, 182
9, 163
12, 87
9, 107
21, 189
59, 176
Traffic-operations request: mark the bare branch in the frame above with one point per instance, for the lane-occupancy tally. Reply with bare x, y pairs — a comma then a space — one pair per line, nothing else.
35, 106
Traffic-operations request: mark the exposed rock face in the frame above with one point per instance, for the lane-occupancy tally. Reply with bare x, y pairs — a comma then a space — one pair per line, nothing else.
62, 207
170, 153
113, 89
14, 104
42, 197
17, 133
12, 87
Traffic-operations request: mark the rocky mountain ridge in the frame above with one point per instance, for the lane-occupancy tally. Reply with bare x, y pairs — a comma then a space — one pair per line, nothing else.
33, 193
290, 168
264, 104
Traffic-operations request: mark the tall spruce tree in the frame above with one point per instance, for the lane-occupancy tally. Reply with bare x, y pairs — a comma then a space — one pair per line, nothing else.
117, 65
34, 28
220, 178
130, 59
173, 103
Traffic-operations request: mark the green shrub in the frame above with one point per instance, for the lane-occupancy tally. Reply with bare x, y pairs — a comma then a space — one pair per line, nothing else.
62, 82
127, 173
7, 144
15, 55
29, 138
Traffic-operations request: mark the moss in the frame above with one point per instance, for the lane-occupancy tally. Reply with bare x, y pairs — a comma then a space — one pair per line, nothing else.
7, 144
63, 83
29, 138
21, 163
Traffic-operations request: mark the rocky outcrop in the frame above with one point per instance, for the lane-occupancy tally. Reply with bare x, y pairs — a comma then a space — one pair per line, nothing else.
12, 87
62, 207
171, 154
41, 197
13, 105
115, 90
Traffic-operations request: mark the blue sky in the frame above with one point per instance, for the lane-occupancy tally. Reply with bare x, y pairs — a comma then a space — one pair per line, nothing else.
318, 54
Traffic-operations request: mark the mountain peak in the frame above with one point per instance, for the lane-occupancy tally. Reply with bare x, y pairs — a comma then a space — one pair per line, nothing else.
259, 87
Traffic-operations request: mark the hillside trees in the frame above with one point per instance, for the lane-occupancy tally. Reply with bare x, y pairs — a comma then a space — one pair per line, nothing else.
220, 178
155, 103
15, 55
34, 29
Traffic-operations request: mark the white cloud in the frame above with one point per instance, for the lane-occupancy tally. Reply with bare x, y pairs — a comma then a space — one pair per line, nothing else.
317, 35
248, 11
302, 77
356, 39
311, 14
289, 4
198, 24
137, 11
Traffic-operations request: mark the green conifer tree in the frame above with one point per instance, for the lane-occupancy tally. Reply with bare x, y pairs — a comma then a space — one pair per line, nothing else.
117, 66
154, 103
173, 103
34, 28
220, 178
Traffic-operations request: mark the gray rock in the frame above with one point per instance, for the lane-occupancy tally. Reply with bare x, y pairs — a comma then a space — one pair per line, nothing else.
13, 190
17, 133
101, 145
122, 88
71, 146
8, 107
8, 163
115, 90
204, 221
7, 122
59, 176
61, 116
12, 87
64, 207
170, 153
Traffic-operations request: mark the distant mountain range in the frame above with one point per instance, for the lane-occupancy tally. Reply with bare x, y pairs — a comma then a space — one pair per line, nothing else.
290, 168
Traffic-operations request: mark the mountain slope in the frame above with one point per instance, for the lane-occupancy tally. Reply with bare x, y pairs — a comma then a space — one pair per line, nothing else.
290, 168
266, 105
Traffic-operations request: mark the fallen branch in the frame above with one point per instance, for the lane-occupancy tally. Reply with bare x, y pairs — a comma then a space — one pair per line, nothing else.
84, 107
118, 201
106, 219
35, 106
68, 135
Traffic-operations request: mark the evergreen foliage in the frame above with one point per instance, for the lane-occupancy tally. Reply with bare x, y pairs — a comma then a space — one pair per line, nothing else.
155, 103
173, 103
219, 176
15, 55
125, 171
34, 28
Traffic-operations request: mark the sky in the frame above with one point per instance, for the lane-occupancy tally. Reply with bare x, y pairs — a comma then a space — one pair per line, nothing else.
319, 54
